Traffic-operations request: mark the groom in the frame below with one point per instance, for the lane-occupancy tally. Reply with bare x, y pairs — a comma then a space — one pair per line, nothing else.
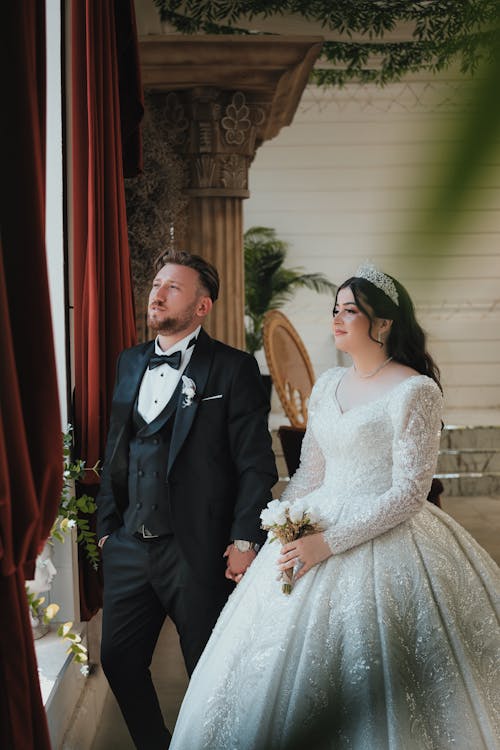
188, 468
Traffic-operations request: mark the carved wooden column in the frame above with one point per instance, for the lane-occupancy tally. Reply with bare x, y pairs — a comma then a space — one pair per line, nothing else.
224, 96
216, 233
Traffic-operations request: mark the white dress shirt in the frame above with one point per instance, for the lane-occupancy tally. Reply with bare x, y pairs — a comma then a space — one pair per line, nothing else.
159, 384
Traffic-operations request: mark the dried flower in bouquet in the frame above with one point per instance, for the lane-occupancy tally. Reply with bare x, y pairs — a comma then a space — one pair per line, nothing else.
287, 522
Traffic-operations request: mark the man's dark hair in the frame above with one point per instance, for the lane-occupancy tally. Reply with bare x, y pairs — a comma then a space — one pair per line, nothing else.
209, 277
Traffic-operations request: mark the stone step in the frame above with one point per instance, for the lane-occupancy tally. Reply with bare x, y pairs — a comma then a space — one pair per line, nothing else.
470, 485
471, 438
468, 460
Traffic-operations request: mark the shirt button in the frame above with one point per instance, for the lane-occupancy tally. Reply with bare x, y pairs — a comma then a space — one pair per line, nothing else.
154, 507
155, 441
141, 473
156, 401
138, 506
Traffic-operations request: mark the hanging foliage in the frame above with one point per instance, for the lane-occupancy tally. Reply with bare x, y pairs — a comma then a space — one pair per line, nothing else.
443, 32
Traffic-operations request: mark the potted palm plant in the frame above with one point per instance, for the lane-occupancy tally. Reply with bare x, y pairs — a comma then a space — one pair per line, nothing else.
268, 284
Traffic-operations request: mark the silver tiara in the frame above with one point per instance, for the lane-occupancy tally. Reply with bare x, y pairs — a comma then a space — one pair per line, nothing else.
380, 280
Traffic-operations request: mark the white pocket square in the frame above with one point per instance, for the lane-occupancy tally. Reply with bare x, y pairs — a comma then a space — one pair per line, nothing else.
210, 398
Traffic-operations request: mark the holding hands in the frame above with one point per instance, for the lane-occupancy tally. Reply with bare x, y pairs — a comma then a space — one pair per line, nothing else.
237, 562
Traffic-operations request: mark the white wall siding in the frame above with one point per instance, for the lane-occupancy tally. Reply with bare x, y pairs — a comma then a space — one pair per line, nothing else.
347, 181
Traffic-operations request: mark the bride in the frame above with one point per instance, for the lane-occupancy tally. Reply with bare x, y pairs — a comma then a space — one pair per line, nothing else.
390, 638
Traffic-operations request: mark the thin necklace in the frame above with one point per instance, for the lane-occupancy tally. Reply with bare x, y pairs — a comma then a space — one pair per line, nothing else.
373, 372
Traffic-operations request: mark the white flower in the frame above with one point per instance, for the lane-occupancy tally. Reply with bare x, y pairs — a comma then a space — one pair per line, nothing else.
188, 391
274, 514
280, 518
301, 502
84, 669
296, 513
267, 517
71, 523
273, 505
313, 515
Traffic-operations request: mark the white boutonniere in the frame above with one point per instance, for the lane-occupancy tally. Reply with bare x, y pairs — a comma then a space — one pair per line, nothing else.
188, 391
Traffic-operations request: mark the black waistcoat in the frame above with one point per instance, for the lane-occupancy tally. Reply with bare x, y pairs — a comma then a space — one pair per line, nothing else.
148, 490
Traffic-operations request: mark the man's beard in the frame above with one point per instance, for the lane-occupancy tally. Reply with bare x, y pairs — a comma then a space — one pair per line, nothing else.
171, 326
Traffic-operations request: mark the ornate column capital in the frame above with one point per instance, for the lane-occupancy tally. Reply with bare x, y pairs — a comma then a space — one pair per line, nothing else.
225, 96
217, 132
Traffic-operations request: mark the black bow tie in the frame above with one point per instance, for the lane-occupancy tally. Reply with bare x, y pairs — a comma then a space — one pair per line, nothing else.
174, 360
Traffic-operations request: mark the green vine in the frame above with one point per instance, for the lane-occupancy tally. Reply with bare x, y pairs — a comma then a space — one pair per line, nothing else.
70, 513
444, 32
46, 615
76, 647
72, 509
35, 606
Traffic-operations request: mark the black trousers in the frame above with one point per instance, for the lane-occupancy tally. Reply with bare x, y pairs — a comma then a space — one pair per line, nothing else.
144, 581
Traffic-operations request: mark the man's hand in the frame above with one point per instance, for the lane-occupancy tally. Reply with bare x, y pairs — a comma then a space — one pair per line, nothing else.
237, 562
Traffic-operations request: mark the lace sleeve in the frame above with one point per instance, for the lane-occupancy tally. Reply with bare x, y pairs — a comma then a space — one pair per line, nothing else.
417, 425
311, 471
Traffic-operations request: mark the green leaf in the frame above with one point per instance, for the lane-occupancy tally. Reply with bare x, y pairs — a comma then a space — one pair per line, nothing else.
443, 32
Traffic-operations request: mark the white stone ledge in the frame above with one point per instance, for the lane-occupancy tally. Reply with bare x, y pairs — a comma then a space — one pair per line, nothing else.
61, 681
52, 660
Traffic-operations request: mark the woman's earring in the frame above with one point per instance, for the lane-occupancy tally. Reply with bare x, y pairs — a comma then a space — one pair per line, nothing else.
379, 338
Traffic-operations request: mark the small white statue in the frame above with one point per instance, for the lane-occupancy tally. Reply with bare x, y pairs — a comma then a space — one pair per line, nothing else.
45, 570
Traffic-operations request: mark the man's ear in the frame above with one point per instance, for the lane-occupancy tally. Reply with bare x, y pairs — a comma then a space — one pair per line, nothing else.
204, 306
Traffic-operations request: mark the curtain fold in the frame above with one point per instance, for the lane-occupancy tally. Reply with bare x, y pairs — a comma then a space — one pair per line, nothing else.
30, 421
104, 65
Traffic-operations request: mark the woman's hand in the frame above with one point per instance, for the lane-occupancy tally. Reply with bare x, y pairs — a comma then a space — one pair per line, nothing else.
307, 551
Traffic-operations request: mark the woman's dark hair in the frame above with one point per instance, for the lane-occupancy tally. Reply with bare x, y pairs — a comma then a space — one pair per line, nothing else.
406, 342
209, 278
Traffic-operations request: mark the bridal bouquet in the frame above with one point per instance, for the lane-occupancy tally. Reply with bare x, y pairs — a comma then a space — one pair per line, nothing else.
288, 522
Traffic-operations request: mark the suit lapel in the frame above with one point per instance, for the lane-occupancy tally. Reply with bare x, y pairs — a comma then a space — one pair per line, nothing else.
198, 370
132, 377
131, 369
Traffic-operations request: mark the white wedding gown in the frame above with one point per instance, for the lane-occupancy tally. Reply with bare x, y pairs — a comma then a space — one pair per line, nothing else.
391, 643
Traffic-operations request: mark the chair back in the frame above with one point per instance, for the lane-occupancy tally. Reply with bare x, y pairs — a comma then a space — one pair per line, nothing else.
289, 364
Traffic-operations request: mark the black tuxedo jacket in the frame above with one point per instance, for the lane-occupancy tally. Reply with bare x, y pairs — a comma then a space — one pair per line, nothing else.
221, 467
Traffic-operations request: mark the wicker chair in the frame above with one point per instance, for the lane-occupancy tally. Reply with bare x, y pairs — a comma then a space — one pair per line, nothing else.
293, 378
290, 367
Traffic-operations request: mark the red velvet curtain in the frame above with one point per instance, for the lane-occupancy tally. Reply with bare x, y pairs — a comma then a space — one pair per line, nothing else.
30, 422
104, 65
